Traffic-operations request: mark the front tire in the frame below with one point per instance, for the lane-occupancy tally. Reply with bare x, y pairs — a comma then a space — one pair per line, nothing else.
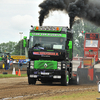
65, 79
31, 80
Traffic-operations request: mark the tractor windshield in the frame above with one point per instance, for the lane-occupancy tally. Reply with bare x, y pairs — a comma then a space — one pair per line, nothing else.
38, 42
91, 43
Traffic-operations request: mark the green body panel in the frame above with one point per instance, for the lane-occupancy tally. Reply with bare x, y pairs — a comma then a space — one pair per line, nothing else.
45, 64
0, 58
70, 49
70, 44
25, 41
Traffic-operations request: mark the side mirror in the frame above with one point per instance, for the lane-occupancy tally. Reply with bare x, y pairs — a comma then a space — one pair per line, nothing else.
70, 44
25, 41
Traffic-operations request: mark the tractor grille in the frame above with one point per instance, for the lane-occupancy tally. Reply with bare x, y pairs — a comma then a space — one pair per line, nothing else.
38, 64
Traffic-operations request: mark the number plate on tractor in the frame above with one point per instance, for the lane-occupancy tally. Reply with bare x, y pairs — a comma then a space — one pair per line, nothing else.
43, 73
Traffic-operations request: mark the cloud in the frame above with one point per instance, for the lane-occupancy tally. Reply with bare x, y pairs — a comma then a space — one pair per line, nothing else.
57, 18
16, 1
18, 15
21, 23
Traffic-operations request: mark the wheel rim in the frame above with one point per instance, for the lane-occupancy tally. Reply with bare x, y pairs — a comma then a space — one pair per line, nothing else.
67, 78
3, 66
77, 79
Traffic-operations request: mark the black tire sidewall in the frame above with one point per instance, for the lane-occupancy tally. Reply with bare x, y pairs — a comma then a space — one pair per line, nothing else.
64, 80
31, 80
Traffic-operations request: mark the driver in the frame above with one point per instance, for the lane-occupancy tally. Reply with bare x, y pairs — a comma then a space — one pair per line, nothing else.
40, 40
38, 43
61, 41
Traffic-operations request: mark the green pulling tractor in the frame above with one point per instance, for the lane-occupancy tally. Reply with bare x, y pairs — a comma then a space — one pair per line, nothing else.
50, 52
3, 59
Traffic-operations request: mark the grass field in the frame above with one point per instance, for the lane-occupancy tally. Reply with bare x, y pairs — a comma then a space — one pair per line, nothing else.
74, 96
10, 75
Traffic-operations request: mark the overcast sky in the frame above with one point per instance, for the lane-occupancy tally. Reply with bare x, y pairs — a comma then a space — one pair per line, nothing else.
18, 15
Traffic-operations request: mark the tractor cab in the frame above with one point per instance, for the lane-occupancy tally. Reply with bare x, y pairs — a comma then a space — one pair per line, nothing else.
92, 45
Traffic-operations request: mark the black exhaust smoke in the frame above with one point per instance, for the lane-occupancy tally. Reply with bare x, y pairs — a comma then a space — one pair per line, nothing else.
49, 5
86, 9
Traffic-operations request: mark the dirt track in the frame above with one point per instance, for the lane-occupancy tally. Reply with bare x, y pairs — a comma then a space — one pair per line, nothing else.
18, 89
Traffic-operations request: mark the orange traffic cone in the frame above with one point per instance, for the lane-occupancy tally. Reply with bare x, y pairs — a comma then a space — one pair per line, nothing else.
19, 73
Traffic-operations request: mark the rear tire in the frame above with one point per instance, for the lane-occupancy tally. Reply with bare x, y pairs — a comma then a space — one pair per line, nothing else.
31, 80
65, 79
75, 80
83, 75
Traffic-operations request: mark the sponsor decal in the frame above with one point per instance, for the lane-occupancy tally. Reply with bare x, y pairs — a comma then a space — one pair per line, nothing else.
46, 53
91, 53
87, 52
44, 34
92, 36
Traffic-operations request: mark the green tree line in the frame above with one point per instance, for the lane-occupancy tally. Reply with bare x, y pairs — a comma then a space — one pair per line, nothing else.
13, 48
78, 38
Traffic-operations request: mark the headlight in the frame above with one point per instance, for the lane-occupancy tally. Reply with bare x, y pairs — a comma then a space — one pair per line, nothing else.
64, 66
31, 67
59, 68
59, 65
32, 63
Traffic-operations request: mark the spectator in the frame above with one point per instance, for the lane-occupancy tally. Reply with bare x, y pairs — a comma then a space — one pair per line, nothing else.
5, 60
14, 61
20, 63
10, 63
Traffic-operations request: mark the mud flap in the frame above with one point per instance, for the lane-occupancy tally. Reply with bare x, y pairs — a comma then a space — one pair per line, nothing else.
91, 74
